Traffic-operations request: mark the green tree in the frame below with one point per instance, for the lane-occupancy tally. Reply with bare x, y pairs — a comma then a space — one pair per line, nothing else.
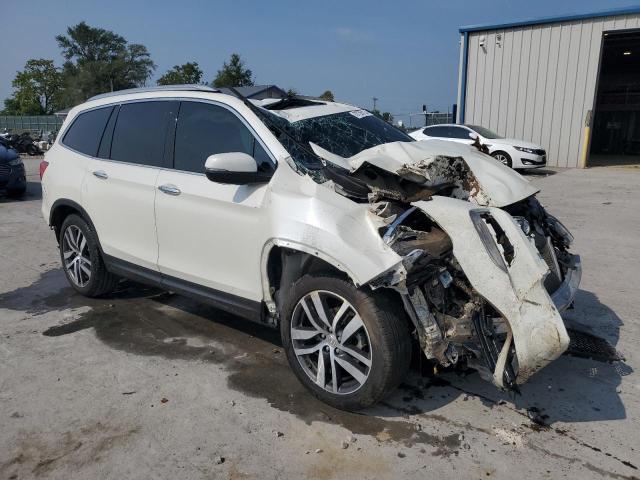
292, 92
36, 89
327, 96
182, 74
233, 74
386, 116
98, 61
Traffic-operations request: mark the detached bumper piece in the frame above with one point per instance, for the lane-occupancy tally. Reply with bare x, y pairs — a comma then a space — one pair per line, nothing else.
491, 351
505, 271
563, 297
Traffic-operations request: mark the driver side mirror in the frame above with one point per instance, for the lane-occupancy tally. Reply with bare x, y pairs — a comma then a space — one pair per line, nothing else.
235, 168
473, 136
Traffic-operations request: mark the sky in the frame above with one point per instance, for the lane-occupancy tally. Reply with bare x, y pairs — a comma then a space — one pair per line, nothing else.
404, 53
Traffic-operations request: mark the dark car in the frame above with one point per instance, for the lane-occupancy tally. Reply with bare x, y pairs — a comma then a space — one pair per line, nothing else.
12, 174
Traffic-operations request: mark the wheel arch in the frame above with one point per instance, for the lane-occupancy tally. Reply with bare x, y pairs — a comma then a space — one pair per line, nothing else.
284, 261
61, 209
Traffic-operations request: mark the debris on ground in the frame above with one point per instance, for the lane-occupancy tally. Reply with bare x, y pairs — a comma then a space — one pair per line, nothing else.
219, 460
536, 416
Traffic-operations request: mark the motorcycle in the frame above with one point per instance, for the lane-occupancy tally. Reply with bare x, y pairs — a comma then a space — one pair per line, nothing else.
23, 143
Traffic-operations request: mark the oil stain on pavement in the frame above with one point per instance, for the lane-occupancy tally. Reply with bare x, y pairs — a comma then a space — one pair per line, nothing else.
146, 321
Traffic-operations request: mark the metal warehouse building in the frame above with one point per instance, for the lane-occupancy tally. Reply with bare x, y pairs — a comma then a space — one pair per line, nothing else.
570, 84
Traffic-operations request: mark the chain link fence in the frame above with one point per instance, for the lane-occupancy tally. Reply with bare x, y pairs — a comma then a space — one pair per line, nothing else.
33, 124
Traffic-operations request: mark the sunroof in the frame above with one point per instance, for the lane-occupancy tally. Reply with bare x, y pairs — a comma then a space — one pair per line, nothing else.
292, 102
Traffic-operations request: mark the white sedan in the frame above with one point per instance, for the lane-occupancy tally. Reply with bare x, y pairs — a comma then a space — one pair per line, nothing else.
513, 153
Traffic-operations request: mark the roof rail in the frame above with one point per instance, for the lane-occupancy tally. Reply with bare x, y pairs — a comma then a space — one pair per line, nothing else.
159, 88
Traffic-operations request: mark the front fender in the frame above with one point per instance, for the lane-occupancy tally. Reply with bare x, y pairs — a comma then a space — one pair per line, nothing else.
314, 219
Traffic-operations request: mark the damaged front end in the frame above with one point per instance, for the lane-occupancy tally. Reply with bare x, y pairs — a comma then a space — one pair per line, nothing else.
485, 279
484, 270
475, 289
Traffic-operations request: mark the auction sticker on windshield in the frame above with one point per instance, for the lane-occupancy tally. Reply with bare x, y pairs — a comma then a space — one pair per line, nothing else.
360, 113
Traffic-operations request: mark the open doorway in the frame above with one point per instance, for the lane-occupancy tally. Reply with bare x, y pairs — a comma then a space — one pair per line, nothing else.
616, 125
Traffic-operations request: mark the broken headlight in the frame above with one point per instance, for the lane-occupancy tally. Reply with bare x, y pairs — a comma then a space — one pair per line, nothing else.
524, 225
560, 230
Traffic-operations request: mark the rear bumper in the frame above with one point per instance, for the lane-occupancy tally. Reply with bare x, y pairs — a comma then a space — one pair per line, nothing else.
566, 292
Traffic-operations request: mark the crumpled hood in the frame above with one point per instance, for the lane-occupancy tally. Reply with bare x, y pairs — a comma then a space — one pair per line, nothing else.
481, 178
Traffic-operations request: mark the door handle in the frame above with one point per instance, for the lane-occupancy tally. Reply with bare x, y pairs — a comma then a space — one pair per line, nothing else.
169, 189
101, 174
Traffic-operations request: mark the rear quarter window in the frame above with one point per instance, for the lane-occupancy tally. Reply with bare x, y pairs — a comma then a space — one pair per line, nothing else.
87, 128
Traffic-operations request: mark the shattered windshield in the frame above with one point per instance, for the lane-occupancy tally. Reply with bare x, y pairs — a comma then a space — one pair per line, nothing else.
345, 134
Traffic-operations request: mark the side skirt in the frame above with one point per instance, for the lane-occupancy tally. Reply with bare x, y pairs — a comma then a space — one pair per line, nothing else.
249, 309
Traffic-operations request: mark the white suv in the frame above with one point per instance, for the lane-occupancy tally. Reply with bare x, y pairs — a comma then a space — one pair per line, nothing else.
317, 218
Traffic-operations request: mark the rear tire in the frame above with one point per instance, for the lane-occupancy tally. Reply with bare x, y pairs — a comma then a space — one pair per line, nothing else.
81, 259
503, 158
365, 353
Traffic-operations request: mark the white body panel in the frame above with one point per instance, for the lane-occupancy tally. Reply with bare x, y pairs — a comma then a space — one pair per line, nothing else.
212, 234
518, 294
64, 181
121, 207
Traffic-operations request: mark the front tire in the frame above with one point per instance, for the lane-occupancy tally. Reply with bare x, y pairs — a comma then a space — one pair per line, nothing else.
503, 158
350, 347
81, 259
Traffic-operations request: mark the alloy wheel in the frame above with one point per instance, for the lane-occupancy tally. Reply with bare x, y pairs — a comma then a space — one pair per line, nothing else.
502, 159
76, 257
331, 342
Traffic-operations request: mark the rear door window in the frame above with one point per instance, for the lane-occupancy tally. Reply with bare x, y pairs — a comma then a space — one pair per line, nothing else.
204, 129
86, 131
435, 131
459, 132
140, 132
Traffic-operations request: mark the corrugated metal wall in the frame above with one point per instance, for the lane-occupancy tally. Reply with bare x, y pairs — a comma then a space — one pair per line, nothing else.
538, 82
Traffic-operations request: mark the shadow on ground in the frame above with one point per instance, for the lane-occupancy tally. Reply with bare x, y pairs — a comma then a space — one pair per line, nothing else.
147, 321
34, 192
537, 172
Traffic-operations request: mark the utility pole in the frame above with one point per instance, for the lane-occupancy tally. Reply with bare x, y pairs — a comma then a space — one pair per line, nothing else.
375, 99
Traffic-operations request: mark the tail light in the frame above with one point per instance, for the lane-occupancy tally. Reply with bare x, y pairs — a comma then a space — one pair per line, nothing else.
43, 166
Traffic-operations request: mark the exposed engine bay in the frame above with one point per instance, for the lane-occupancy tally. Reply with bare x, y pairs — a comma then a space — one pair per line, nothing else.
454, 321
484, 271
